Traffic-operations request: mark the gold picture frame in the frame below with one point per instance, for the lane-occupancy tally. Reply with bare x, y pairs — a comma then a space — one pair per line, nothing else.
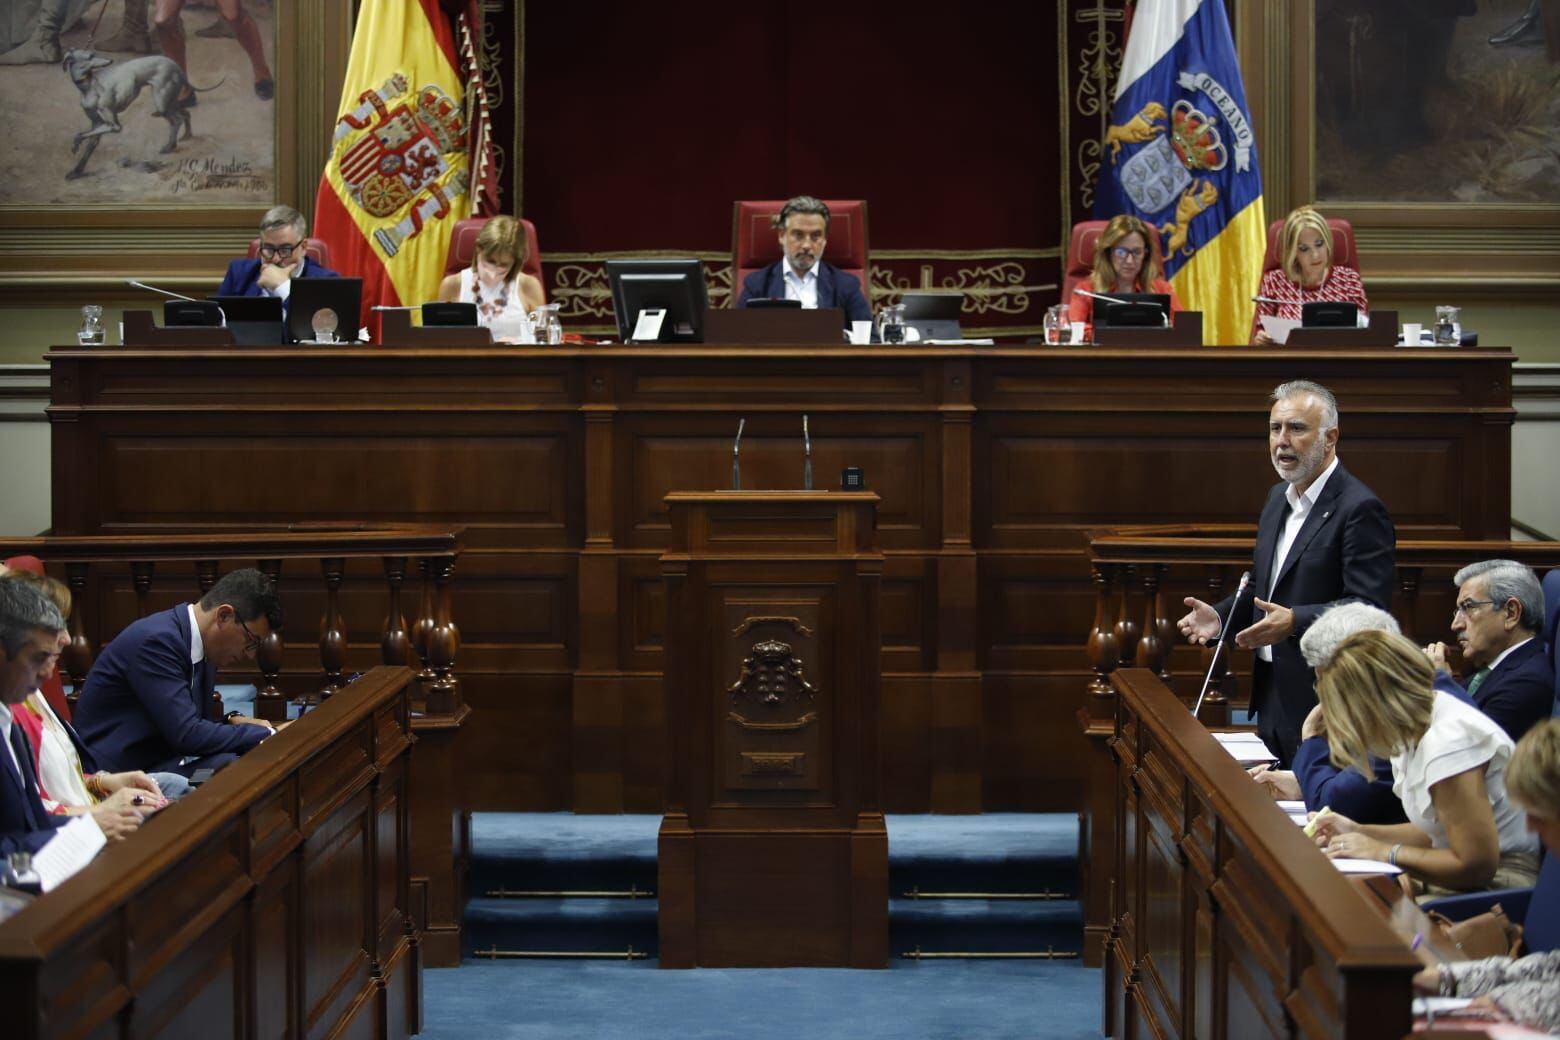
57, 254
1509, 250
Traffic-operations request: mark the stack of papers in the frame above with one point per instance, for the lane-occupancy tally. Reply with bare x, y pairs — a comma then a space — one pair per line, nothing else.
1296, 811
1364, 866
1247, 748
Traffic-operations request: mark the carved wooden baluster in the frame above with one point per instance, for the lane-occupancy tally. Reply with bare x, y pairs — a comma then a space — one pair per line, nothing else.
270, 702
333, 641
141, 572
1216, 705
422, 630
205, 578
1153, 647
76, 658
395, 642
444, 696
1407, 606
1104, 652
1126, 628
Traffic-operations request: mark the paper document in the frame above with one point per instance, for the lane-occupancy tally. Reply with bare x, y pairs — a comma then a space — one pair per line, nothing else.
1439, 1005
1278, 329
1365, 866
71, 848
1291, 807
1247, 748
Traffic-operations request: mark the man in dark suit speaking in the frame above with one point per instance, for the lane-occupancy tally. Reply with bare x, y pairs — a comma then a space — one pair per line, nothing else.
283, 235
802, 273
144, 702
1324, 538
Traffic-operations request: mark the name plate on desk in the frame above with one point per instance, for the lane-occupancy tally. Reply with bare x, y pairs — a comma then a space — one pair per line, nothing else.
775, 326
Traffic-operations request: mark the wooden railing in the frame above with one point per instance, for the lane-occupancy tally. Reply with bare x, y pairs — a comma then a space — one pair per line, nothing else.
1141, 575
429, 643
1227, 921
273, 901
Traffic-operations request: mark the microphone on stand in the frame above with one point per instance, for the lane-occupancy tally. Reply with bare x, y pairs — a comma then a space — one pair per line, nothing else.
1224, 630
1098, 296
807, 457
736, 457
1269, 299
165, 292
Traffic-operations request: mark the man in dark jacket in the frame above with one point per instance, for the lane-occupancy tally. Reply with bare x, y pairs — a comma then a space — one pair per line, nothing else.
802, 273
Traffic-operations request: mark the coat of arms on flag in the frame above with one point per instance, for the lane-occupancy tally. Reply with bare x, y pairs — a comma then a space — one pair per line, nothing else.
1181, 155
401, 153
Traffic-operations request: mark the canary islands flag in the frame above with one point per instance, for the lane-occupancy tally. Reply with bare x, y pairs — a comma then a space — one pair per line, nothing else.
398, 176
1180, 154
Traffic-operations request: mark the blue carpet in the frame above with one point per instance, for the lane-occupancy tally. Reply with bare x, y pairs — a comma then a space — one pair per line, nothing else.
551, 1000
989, 999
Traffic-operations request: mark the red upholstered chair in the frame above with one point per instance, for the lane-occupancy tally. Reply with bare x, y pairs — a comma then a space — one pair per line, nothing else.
463, 246
755, 243
1081, 248
314, 248
1344, 253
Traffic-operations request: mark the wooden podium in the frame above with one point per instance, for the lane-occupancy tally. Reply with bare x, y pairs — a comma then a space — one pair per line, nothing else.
772, 849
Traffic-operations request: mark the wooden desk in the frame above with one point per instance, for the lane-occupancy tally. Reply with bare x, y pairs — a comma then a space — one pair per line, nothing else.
1226, 919
991, 464
273, 901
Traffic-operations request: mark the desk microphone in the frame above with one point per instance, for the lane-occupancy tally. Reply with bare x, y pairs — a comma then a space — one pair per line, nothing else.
736, 457
806, 457
1224, 630
1098, 296
165, 292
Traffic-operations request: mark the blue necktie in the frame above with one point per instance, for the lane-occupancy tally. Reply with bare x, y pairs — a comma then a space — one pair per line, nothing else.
30, 798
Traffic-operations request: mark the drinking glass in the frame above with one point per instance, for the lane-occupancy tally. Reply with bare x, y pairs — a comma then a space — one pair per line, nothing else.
91, 333
1058, 323
891, 323
546, 325
1448, 329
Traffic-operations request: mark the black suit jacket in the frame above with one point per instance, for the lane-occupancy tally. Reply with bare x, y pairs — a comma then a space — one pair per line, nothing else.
835, 289
25, 825
1345, 551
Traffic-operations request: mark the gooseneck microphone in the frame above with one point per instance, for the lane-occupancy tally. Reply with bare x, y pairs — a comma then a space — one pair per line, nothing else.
1097, 296
806, 457
736, 457
165, 292
1224, 630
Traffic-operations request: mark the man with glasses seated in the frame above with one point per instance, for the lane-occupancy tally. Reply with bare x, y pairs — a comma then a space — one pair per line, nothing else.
143, 705
801, 273
283, 235
1500, 612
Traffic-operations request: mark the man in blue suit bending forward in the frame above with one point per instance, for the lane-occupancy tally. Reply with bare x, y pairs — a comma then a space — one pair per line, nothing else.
283, 235
144, 700
801, 273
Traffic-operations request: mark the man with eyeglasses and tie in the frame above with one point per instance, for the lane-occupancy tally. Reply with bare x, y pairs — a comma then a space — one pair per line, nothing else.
143, 705
1499, 614
283, 235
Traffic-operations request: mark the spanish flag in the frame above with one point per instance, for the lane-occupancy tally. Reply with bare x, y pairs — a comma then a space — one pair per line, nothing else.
398, 177
1180, 154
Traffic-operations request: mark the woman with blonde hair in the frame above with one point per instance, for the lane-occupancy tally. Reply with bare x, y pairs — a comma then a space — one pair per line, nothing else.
1124, 262
494, 281
1305, 274
1527, 989
1448, 769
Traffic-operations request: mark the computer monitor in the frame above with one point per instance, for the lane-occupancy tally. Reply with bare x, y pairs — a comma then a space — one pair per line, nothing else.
675, 286
1136, 310
448, 313
935, 315
308, 297
256, 321
1329, 314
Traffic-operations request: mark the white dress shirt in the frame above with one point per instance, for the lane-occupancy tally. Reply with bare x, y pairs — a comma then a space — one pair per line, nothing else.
1299, 509
802, 287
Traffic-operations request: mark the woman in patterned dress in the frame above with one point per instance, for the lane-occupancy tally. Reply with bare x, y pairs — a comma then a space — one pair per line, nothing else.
1306, 273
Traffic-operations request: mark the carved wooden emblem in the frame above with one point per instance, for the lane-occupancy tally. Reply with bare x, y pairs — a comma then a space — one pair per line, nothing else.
772, 677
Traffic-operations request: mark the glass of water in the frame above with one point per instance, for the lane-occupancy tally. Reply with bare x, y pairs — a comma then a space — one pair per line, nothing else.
91, 332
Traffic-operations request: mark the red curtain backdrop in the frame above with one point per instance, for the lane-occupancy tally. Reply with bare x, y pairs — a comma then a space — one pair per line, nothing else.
967, 130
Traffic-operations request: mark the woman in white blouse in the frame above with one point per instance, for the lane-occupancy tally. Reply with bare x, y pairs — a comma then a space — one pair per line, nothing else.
1448, 769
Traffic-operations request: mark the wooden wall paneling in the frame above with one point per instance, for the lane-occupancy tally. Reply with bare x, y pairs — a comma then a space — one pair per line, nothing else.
252, 908
558, 459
